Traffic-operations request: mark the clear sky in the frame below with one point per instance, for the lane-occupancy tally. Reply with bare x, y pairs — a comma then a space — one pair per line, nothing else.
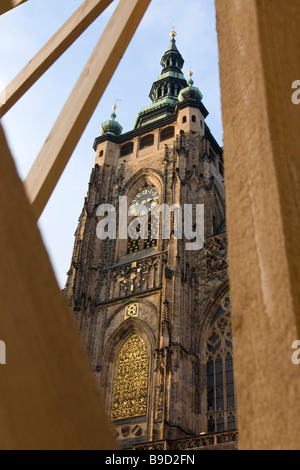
24, 30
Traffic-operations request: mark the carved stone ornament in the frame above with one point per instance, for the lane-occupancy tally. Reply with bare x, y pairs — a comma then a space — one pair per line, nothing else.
132, 310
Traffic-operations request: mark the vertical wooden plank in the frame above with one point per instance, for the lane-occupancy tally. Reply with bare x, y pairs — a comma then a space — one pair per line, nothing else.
53, 49
82, 102
259, 47
7, 5
48, 398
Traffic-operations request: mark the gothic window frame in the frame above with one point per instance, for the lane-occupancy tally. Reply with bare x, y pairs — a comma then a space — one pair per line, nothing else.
213, 419
112, 347
220, 394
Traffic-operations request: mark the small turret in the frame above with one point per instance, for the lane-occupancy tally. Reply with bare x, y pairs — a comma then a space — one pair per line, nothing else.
111, 127
191, 92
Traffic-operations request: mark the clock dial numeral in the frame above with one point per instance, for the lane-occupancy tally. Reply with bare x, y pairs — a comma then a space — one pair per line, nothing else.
147, 198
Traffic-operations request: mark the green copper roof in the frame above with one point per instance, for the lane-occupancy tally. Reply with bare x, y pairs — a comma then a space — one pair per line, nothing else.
170, 89
165, 90
191, 92
111, 127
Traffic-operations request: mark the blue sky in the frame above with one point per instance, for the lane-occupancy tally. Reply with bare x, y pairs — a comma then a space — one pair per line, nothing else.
24, 30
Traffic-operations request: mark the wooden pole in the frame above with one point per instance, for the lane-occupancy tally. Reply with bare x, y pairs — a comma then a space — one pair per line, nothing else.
48, 397
259, 47
53, 49
7, 5
82, 102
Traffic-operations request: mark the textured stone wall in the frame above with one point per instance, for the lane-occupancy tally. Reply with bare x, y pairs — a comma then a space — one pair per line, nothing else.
171, 286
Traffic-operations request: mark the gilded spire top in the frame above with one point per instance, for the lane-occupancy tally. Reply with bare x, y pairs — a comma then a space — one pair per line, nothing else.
191, 82
173, 33
112, 126
115, 107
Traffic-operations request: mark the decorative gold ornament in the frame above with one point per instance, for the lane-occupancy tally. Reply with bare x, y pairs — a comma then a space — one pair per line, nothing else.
131, 380
173, 33
132, 310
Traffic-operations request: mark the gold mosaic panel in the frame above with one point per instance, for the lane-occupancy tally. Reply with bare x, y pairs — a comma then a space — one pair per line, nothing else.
131, 380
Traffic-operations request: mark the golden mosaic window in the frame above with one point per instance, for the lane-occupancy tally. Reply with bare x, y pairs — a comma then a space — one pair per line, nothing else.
131, 380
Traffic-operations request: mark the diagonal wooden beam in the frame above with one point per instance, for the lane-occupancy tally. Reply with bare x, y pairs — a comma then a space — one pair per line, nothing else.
53, 49
82, 102
48, 397
262, 170
7, 5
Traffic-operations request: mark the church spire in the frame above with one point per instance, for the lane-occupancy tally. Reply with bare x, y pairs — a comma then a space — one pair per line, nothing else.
165, 90
171, 80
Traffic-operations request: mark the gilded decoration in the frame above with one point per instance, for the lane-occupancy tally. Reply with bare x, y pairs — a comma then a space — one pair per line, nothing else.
131, 380
132, 310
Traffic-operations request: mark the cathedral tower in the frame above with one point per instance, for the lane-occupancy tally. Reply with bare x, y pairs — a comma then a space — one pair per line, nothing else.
154, 316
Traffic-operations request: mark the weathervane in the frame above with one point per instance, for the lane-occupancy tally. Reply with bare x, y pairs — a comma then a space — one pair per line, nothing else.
115, 106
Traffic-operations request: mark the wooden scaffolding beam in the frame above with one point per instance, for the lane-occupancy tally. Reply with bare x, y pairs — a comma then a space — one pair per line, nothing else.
53, 49
259, 46
48, 395
7, 5
82, 102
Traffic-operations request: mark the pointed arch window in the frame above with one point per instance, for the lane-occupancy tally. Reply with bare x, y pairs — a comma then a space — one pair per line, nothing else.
130, 392
221, 406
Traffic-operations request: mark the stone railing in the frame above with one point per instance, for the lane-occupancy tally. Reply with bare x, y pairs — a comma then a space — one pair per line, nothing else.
142, 274
228, 439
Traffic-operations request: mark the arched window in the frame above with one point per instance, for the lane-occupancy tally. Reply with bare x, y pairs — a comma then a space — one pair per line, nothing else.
194, 118
131, 380
101, 153
221, 407
146, 141
184, 120
167, 134
126, 149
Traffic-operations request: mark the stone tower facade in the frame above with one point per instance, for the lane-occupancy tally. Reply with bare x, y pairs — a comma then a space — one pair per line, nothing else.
155, 317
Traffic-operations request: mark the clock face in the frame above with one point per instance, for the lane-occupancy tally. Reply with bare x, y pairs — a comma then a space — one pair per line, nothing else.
146, 197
